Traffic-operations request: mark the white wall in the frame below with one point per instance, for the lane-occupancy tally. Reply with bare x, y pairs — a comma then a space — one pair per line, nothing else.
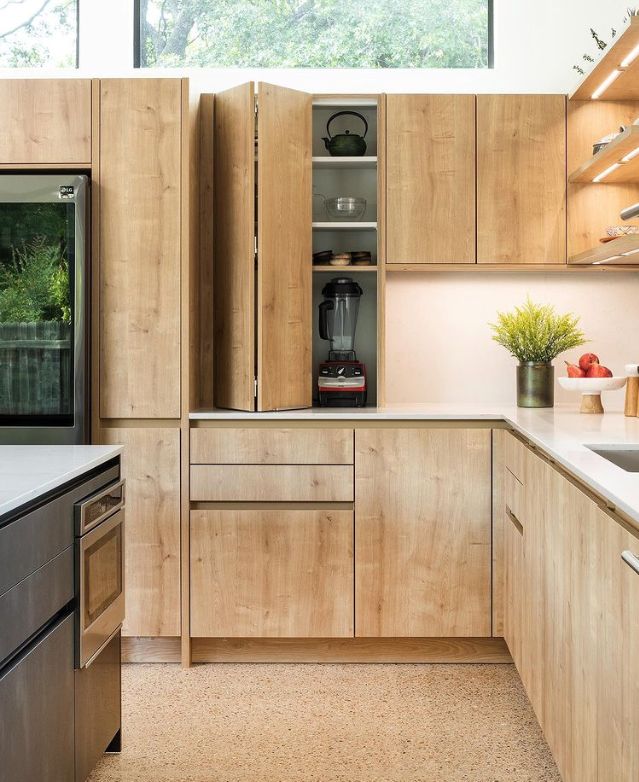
439, 346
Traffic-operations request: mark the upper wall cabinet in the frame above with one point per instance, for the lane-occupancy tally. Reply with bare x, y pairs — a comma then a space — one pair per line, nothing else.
263, 250
45, 121
430, 156
139, 245
521, 179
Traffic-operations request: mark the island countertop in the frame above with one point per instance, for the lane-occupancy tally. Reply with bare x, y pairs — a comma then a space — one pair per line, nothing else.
562, 433
30, 471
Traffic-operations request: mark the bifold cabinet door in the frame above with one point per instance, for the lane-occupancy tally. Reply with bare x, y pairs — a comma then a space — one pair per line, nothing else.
284, 249
139, 245
272, 573
234, 248
430, 154
521, 179
423, 532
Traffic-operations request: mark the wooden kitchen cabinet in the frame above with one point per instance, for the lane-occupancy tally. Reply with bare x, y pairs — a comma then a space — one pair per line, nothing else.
430, 174
521, 179
139, 240
263, 249
423, 532
45, 121
151, 467
272, 573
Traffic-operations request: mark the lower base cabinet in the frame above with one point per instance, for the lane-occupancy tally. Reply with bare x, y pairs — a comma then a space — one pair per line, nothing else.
571, 621
272, 573
423, 543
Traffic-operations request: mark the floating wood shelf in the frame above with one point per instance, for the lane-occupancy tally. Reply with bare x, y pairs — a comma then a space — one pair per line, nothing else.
343, 225
619, 56
621, 251
613, 153
362, 161
350, 268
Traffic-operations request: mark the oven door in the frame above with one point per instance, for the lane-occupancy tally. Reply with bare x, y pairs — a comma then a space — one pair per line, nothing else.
100, 610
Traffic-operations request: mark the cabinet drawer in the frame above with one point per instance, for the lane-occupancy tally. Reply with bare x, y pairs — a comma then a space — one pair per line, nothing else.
272, 446
515, 456
272, 573
513, 495
271, 483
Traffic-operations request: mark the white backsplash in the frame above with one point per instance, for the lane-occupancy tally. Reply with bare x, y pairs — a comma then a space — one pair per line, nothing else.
439, 346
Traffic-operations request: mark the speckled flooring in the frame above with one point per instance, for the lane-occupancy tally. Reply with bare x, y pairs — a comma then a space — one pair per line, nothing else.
324, 723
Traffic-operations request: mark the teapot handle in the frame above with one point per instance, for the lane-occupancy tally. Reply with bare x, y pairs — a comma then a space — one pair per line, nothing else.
341, 114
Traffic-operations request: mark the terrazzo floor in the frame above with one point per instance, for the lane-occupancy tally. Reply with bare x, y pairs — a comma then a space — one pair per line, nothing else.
327, 723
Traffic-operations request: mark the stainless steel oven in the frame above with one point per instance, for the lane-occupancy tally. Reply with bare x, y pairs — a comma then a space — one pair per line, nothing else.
99, 571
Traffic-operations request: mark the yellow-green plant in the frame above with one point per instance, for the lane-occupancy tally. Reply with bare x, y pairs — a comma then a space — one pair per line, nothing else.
535, 332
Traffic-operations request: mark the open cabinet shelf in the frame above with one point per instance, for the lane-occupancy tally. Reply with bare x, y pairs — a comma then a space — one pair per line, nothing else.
344, 226
620, 58
364, 161
621, 251
613, 154
344, 269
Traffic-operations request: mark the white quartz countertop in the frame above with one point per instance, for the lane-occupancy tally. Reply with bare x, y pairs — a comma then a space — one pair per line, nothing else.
561, 432
29, 471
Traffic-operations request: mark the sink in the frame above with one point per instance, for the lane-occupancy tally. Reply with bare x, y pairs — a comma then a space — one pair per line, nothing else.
625, 457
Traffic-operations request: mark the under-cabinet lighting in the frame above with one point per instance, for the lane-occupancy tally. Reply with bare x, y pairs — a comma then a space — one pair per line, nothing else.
606, 260
605, 173
627, 158
631, 252
630, 57
605, 84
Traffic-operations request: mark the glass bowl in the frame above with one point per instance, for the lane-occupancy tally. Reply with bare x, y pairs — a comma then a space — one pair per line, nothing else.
345, 208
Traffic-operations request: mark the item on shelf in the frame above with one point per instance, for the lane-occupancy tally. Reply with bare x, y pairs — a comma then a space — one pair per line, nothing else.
344, 207
629, 212
340, 259
342, 379
322, 257
603, 142
345, 144
361, 258
632, 390
613, 231
535, 334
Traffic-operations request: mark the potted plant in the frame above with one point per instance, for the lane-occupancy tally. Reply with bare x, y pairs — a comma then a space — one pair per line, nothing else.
535, 334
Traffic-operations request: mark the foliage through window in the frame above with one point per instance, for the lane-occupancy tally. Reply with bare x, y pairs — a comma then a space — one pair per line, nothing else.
315, 33
38, 33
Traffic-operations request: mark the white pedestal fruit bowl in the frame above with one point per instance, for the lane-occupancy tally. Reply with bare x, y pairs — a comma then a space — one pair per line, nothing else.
590, 389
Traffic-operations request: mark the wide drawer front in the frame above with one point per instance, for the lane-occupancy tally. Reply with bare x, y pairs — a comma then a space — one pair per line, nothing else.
271, 483
31, 603
272, 446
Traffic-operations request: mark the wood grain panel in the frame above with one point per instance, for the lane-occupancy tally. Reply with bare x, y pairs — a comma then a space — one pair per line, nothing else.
284, 284
140, 219
521, 179
498, 520
430, 169
271, 483
151, 466
234, 251
423, 532
515, 455
272, 574
45, 121
350, 650
630, 662
272, 446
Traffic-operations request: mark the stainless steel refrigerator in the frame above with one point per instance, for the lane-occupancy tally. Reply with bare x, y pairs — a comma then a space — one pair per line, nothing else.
44, 294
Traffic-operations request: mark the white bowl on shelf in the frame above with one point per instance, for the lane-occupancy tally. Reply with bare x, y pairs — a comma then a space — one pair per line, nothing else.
590, 389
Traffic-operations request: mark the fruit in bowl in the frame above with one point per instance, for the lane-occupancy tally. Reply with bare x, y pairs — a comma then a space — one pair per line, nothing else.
590, 378
587, 360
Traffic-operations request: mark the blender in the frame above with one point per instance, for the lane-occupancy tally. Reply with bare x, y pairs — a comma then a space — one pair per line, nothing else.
342, 379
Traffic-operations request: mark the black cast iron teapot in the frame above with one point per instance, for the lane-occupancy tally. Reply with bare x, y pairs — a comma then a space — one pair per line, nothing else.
346, 144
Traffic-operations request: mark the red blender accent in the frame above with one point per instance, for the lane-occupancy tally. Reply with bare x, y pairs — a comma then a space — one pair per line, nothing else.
342, 379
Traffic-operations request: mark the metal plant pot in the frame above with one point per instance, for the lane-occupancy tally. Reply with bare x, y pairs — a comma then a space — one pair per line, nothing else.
535, 385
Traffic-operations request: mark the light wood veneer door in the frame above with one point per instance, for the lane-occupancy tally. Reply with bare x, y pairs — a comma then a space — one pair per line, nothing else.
430, 174
630, 631
272, 573
151, 466
139, 246
234, 249
521, 179
423, 532
45, 121
284, 249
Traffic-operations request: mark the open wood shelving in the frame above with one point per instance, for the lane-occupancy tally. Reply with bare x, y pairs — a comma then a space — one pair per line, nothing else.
625, 145
623, 250
622, 58
350, 268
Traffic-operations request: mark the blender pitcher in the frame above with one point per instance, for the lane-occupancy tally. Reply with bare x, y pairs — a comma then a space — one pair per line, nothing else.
338, 317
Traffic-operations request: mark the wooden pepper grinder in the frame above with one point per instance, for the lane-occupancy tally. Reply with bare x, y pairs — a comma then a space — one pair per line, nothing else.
632, 390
